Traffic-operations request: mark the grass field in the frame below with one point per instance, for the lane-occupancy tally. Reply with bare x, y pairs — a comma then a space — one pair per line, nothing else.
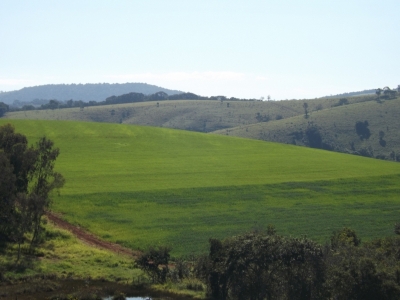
142, 185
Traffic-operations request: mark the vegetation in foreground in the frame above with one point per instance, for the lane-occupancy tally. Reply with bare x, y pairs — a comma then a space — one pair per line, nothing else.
269, 266
27, 178
63, 267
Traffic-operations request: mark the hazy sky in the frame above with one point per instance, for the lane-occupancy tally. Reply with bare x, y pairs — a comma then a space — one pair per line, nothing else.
247, 48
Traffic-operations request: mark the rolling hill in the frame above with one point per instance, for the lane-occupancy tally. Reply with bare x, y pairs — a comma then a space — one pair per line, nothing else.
336, 127
278, 121
140, 185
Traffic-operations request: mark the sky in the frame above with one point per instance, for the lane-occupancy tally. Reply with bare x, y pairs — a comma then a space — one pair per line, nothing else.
246, 49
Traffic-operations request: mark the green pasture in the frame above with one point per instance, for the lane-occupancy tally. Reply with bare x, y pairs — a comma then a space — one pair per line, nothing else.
140, 185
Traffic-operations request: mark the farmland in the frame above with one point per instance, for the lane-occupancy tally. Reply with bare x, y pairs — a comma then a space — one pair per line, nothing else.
139, 186
275, 121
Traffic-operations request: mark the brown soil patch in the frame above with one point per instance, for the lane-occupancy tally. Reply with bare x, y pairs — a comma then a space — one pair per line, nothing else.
87, 237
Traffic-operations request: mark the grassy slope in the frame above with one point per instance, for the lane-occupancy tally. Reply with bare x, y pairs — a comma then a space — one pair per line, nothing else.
64, 254
202, 115
239, 119
180, 114
142, 185
337, 126
196, 115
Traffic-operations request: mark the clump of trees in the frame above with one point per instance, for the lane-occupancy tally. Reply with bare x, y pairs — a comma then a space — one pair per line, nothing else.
265, 265
342, 101
125, 98
262, 118
27, 178
362, 130
387, 93
313, 138
154, 262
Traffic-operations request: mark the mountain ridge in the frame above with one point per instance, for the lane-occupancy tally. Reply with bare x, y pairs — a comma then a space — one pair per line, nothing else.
85, 92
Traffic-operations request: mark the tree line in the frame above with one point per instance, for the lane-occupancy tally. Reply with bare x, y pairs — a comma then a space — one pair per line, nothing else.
265, 265
125, 98
27, 178
387, 93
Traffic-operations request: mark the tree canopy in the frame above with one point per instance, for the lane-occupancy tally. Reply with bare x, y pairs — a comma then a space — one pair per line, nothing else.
27, 178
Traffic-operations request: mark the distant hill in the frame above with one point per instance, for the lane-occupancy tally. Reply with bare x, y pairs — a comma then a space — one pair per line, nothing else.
84, 92
351, 94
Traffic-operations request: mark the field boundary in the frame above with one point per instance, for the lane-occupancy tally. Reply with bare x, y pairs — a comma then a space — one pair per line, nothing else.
89, 238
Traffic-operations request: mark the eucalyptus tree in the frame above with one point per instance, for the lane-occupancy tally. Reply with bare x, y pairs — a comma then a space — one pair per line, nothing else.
27, 179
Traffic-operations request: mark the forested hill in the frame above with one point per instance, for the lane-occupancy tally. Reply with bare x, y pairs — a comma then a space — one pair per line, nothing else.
84, 92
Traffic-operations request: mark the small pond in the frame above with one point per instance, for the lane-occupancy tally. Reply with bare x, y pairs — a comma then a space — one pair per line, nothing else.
137, 298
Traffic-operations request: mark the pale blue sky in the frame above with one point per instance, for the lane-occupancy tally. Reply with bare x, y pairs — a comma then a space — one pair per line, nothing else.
286, 49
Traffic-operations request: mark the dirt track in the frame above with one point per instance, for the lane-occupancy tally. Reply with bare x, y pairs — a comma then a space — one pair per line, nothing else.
87, 237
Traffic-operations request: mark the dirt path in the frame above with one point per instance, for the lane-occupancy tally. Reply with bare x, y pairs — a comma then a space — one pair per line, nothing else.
87, 237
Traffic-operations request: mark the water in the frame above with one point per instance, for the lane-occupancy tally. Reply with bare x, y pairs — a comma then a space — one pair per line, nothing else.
132, 298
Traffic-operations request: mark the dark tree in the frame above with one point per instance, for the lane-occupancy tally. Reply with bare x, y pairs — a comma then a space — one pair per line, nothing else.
378, 92
363, 130
3, 108
345, 236
305, 106
397, 228
259, 266
7, 191
388, 93
382, 142
26, 179
53, 104
154, 262
158, 96
314, 137
43, 180
342, 101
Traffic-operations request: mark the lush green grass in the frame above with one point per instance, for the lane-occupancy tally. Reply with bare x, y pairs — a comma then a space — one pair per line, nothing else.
143, 185
187, 218
65, 255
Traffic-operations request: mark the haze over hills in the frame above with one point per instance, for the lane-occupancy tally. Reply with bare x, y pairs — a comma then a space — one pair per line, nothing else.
84, 92
351, 94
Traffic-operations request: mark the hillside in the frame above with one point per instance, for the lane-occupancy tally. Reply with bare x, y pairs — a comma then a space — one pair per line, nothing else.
335, 128
195, 115
139, 186
84, 92
278, 121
